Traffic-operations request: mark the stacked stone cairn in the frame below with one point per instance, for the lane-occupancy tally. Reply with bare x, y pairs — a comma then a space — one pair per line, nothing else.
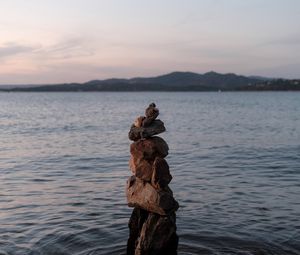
152, 226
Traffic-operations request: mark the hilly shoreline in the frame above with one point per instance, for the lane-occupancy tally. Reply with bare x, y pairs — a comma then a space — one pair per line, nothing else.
175, 81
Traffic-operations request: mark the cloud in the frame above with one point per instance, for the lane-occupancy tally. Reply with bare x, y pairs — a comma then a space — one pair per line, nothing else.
67, 72
290, 71
36, 61
70, 47
290, 40
11, 49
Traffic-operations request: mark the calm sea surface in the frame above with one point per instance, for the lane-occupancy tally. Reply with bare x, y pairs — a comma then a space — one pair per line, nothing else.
234, 157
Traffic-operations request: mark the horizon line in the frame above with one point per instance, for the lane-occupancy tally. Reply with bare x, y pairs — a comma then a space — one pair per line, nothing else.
154, 76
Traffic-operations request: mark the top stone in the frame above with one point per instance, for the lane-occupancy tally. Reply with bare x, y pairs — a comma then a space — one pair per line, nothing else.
146, 126
151, 114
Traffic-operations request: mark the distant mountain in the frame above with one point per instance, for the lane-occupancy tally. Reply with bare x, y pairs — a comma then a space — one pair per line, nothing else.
261, 78
274, 85
176, 81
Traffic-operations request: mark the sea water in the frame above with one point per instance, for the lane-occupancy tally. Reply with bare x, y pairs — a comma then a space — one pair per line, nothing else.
234, 158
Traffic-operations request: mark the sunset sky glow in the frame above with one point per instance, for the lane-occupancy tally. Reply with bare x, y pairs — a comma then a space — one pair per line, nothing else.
53, 41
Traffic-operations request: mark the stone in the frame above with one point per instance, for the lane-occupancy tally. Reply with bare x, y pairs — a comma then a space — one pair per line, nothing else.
158, 236
139, 121
150, 148
143, 195
141, 168
156, 127
137, 219
152, 225
151, 234
161, 176
151, 114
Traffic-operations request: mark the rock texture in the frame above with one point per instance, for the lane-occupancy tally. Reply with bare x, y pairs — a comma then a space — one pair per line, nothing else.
149, 148
161, 176
143, 195
137, 132
152, 226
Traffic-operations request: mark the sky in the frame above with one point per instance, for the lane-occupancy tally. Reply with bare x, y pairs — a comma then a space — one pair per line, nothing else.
54, 41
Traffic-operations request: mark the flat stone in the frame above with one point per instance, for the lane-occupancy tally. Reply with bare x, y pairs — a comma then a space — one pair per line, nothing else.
156, 127
149, 148
161, 176
143, 195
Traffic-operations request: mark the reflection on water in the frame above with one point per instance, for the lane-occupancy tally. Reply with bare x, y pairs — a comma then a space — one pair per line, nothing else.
234, 157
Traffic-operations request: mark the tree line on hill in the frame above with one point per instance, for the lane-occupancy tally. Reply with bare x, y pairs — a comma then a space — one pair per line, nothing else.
176, 81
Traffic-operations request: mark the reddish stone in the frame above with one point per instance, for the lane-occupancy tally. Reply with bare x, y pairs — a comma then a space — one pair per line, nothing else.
141, 168
161, 176
137, 132
139, 121
132, 165
149, 148
141, 194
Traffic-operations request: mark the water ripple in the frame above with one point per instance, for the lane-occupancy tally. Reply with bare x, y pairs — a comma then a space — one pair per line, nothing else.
234, 158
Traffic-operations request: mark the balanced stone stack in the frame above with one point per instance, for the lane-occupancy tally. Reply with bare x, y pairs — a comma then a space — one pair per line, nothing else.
152, 224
